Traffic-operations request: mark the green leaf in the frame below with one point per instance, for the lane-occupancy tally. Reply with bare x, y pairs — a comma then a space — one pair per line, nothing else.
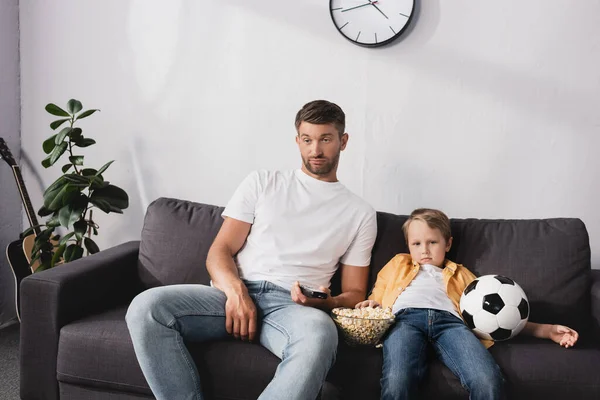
90, 245
66, 167
116, 209
62, 135
46, 161
86, 114
27, 232
41, 240
57, 152
58, 254
75, 135
66, 238
73, 211
80, 228
88, 172
101, 204
74, 106
104, 167
76, 160
73, 252
98, 182
49, 144
84, 142
113, 195
56, 110
77, 179
56, 184
43, 212
53, 222
57, 123
56, 199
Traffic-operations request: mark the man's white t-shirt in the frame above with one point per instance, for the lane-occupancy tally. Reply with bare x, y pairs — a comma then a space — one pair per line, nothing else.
301, 228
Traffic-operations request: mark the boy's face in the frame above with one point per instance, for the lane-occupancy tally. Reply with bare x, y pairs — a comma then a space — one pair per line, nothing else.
427, 245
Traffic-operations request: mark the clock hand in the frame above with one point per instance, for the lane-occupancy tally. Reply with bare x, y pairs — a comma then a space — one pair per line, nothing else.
375, 2
362, 5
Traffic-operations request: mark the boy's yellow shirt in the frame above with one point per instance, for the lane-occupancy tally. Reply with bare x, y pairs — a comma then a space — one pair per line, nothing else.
399, 272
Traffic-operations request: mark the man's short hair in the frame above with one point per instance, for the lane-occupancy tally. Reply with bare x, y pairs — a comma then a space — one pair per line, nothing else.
435, 219
322, 112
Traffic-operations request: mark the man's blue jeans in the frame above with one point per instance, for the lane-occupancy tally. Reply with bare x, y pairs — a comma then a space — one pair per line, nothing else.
405, 355
160, 319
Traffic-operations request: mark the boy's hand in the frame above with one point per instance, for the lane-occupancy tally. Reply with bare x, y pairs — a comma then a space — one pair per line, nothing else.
563, 335
368, 303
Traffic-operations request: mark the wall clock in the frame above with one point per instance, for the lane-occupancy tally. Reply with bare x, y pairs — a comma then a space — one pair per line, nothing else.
371, 23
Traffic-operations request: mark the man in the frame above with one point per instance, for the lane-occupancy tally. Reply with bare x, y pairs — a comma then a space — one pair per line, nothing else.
281, 229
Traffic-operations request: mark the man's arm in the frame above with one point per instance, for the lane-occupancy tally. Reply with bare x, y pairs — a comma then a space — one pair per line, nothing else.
240, 311
354, 290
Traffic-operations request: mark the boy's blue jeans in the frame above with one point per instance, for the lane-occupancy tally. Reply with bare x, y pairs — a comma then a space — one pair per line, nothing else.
405, 355
160, 319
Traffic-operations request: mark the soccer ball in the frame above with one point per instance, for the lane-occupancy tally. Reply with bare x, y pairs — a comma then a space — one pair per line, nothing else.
494, 307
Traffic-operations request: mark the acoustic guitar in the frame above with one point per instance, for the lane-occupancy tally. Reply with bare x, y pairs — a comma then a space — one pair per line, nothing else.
19, 251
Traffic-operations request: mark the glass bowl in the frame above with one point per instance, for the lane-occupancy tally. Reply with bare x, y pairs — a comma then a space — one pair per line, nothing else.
362, 326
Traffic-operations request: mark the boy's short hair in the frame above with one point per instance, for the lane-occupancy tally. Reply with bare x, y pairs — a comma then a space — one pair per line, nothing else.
435, 219
322, 112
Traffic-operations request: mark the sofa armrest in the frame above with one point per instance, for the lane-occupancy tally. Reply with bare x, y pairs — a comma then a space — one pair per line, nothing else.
53, 298
596, 298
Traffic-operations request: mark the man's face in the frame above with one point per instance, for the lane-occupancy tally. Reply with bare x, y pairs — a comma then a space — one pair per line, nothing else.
427, 245
320, 146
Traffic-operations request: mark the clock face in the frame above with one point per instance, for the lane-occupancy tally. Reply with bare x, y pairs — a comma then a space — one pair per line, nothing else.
371, 22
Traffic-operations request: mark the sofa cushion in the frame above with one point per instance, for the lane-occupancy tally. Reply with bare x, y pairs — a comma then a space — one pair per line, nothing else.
533, 368
97, 352
175, 240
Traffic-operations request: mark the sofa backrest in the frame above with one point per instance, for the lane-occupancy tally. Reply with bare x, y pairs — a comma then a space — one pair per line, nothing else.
548, 258
175, 240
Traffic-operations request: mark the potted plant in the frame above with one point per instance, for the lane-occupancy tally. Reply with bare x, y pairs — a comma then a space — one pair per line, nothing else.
70, 200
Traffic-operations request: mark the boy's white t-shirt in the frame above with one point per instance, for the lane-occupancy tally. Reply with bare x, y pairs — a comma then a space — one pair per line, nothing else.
426, 290
301, 228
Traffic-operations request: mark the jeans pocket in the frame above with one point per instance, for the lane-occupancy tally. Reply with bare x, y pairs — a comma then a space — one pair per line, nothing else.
401, 312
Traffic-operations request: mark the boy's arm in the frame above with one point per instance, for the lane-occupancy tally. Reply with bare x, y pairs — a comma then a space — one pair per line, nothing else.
563, 335
382, 280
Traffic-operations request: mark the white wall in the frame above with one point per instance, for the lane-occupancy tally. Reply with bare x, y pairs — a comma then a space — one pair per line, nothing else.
484, 109
10, 203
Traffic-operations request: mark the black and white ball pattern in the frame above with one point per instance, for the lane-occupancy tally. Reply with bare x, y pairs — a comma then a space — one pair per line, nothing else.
494, 307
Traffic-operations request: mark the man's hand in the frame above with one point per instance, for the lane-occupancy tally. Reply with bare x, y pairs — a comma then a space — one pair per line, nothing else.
240, 316
299, 298
563, 335
368, 303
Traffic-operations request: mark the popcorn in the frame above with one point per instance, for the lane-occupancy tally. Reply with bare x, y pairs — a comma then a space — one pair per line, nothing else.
363, 326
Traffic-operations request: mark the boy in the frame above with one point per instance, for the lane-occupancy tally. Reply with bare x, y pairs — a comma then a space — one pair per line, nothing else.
423, 289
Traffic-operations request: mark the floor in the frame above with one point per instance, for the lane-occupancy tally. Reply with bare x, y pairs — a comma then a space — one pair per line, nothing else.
9, 362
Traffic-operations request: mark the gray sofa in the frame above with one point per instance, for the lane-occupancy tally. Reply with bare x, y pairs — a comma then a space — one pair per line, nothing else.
75, 344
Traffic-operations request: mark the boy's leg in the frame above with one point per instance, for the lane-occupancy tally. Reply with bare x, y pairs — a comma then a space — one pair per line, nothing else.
305, 338
159, 320
461, 351
404, 355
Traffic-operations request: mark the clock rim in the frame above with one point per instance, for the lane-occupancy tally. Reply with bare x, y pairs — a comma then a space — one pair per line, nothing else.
396, 36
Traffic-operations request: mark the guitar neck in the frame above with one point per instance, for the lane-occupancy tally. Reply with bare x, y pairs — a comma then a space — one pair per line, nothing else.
26, 201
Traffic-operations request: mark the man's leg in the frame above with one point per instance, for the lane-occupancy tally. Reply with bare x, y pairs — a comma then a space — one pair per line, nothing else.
159, 320
305, 339
404, 355
461, 351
